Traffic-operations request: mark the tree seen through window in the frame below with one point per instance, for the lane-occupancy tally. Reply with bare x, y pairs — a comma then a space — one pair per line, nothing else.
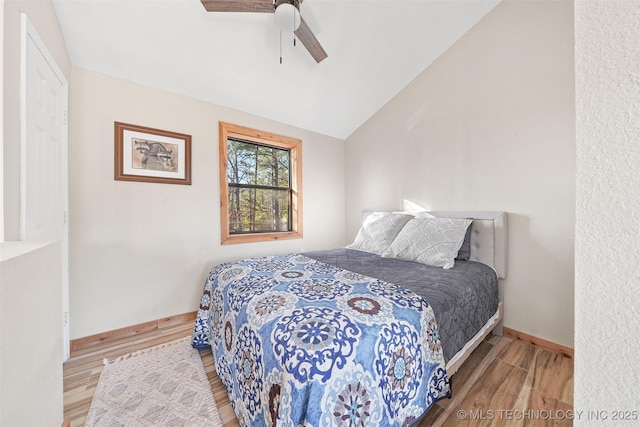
259, 187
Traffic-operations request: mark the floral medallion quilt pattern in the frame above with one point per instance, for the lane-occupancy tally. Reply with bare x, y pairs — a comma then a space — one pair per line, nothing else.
297, 342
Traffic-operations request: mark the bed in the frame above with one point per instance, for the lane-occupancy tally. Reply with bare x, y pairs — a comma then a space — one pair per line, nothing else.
353, 336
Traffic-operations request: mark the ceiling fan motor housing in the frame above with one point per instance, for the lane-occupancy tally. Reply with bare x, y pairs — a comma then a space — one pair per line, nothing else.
287, 14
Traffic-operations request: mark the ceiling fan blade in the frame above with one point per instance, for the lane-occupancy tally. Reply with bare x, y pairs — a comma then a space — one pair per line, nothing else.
310, 41
263, 6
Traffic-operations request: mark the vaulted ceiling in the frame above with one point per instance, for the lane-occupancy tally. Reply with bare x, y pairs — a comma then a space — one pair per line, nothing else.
375, 48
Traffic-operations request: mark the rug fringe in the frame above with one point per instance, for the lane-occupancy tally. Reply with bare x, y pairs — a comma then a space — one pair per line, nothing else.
148, 350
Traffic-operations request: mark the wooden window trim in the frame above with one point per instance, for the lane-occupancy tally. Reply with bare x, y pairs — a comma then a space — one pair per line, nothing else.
227, 130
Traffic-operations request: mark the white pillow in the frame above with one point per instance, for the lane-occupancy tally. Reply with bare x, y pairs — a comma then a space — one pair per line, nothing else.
378, 230
432, 241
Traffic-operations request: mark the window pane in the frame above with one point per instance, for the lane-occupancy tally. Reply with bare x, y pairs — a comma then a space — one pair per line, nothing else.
254, 210
254, 164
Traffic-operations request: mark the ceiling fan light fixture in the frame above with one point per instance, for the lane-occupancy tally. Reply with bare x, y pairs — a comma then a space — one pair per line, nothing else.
287, 15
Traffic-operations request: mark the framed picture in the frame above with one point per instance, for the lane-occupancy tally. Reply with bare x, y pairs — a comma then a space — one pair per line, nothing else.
151, 155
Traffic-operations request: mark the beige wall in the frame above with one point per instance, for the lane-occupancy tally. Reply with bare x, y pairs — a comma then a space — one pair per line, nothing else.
30, 334
141, 251
608, 209
489, 126
2, 121
44, 19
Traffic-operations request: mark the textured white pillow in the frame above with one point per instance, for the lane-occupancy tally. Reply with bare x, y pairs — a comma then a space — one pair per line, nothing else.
378, 231
432, 241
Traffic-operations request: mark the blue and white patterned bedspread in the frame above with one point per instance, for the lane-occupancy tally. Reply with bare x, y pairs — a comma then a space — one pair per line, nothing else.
297, 342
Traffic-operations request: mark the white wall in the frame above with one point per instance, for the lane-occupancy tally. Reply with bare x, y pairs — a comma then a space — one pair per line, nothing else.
489, 126
608, 208
30, 334
141, 251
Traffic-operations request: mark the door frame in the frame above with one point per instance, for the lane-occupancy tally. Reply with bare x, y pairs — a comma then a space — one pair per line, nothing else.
28, 31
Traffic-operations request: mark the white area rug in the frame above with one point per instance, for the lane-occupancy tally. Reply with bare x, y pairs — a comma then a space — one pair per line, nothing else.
164, 385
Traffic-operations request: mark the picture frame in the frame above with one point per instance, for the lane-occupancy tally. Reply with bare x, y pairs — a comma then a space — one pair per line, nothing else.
146, 154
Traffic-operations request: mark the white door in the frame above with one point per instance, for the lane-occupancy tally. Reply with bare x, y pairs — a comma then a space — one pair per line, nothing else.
43, 153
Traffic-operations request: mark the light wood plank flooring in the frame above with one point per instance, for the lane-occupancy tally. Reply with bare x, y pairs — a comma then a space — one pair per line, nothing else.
504, 383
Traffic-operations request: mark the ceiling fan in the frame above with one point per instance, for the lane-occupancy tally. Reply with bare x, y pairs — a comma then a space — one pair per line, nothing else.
287, 14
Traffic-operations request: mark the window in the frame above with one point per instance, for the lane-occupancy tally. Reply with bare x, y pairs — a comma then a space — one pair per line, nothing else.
260, 185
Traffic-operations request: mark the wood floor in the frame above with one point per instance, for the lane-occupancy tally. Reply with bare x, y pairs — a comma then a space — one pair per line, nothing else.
504, 383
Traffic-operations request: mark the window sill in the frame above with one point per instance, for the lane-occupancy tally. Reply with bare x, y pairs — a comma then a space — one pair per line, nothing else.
260, 237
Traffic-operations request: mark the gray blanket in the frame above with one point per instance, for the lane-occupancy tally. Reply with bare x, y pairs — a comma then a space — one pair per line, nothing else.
463, 298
